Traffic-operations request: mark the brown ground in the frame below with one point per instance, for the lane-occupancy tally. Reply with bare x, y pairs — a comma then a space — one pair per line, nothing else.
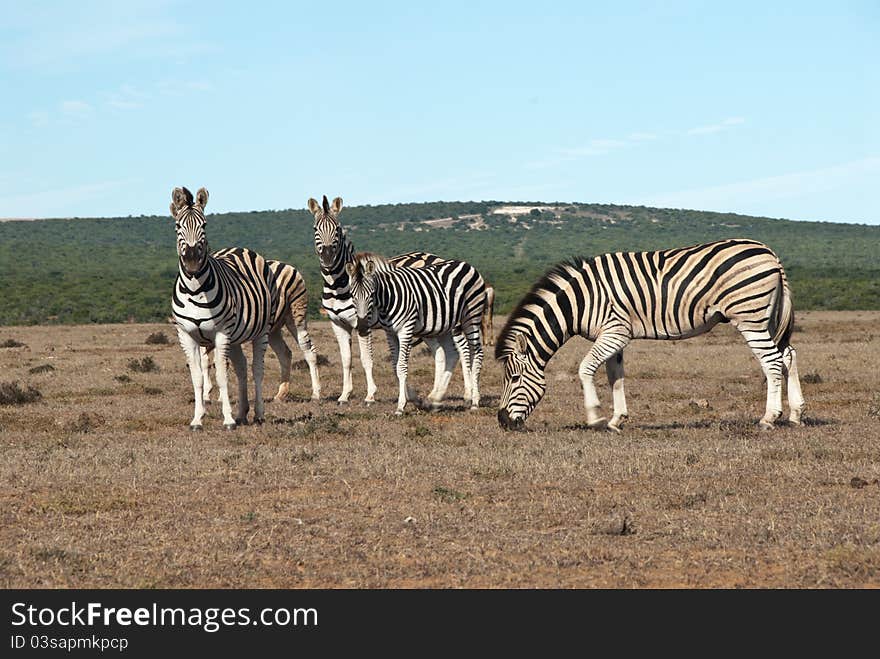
102, 484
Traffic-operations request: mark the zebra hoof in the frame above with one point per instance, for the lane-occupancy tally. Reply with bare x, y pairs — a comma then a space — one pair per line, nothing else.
765, 425
398, 412
230, 426
260, 421
342, 403
196, 427
369, 403
241, 422
598, 424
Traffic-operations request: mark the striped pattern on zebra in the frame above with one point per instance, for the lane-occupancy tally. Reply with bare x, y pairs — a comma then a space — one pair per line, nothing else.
335, 251
292, 312
668, 294
220, 303
428, 303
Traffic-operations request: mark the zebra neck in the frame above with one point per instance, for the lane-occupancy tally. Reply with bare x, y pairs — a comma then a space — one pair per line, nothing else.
195, 283
551, 313
335, 277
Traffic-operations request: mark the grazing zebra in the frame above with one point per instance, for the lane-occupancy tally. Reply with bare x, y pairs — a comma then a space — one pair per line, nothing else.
668, 294
335, 251
220, 303
489, 317
292, 313
429, 303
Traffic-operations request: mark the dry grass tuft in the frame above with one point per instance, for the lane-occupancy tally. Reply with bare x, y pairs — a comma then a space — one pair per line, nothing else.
144, 365
42, 368
85, 422
811, 378
11, 343
158, 338
11, 393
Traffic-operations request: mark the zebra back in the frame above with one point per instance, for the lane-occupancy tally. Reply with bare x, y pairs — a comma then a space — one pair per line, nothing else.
665, 294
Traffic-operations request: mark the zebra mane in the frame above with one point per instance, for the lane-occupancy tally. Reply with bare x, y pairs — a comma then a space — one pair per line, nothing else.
504, 344
382, 264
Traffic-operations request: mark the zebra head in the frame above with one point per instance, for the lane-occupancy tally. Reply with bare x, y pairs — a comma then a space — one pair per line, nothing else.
328, 231
362, 285
189, 221
523, 385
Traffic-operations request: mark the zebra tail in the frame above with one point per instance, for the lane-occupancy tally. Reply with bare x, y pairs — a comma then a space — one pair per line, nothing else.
784, 316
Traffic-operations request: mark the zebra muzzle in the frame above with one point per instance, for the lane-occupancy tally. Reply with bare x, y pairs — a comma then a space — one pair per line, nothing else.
507, 423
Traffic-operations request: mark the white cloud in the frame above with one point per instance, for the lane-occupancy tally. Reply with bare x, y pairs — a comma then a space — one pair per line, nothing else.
57, 202
75, 108
716, 128
731, 196
39, 118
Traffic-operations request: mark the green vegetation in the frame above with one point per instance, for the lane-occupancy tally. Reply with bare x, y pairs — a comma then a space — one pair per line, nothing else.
114, 270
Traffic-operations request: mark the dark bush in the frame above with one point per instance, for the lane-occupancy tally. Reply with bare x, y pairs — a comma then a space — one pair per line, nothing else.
158, 338
12, 394
143, 365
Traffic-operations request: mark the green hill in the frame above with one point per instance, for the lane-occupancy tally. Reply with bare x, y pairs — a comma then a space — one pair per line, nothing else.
114, 269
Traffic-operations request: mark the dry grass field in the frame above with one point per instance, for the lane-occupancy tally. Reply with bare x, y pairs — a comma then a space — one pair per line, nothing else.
103, 485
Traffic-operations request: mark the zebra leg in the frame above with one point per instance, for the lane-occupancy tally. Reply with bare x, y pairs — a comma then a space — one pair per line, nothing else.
221, 349
279, 347
475, 345
449, 355
206, 375
608, 343
439, 366
194, 360
343, 338
300, 331
771, 361
260, 344
394, 352
795, 396
404, 338
463, 352
239, 363
614, 369
365, 343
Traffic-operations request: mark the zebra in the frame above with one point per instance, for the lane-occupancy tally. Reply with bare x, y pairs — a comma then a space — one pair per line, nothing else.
429, 303
220, 303
292, 313
448, 347
668, 294
335, 251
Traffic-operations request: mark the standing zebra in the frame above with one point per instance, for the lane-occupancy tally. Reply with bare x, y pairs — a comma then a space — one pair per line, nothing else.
291, 312
668, 294
220, 303
335, 251
429, 303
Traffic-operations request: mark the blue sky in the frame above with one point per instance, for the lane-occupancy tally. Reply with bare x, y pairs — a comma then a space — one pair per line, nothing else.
759, 108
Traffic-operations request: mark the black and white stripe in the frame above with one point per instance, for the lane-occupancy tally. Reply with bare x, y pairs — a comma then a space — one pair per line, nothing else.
220, 303
429, 303
668, 294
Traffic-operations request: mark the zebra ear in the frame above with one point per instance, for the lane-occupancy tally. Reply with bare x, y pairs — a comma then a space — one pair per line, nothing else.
178, 200
521, 345
202, 197
336, 206
350, 268
313, 206
369, 268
